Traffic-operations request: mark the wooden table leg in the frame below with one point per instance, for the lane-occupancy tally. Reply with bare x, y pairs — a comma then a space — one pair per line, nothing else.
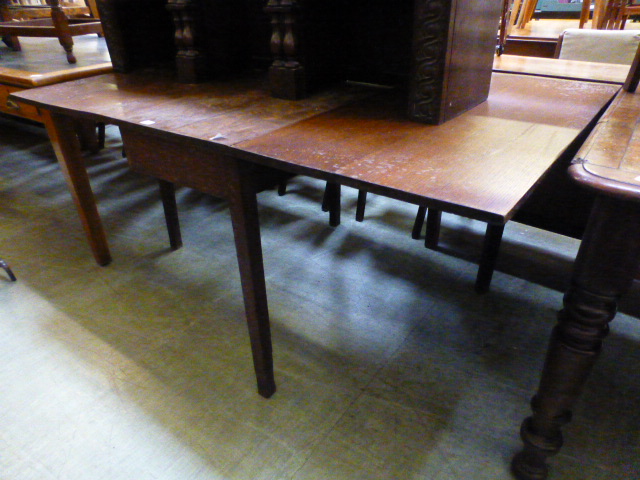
246, 229
63, 32
604, 270
361, 205
331, 202
168, 197
418, 222
238, 182
490, 250
62, 133
432, 234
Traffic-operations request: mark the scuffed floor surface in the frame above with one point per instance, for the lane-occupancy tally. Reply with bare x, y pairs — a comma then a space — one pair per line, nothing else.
388, 365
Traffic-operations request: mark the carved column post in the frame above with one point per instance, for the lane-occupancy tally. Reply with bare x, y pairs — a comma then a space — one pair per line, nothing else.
286, 74
604, 269
190, 60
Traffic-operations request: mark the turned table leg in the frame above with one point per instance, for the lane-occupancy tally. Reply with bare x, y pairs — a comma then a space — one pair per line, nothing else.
61, 24
604, 270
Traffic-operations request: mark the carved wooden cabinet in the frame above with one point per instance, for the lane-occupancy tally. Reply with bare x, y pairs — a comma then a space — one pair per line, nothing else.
439, 51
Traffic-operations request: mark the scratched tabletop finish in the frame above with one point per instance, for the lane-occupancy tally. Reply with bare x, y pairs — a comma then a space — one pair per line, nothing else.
229, 111
482, 164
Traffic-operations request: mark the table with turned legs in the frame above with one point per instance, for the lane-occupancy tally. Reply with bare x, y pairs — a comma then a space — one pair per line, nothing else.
607, 263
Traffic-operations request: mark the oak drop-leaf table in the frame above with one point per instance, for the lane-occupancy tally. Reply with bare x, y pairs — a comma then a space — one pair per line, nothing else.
230, 139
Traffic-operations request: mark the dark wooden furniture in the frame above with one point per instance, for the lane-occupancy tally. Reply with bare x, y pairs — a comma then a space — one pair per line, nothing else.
57, 25
557, 204
229, 138
438, 52
609, 165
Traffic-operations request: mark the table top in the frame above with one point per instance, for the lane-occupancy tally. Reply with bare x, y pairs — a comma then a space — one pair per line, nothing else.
482, 164
609, 160
27, 79
560, 68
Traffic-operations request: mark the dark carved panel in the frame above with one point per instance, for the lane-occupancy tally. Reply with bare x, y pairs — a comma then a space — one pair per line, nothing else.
454, 43
431, 32
377, 40
441, 51
138, 33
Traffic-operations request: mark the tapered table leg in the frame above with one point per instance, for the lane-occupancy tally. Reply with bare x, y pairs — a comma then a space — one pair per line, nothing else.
490, 250
418, 222
168, 197
246, 230
361, 205
432, 235
604, 270
62, 133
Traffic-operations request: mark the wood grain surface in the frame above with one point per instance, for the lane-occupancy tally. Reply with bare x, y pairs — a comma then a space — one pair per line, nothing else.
610, 158
559, 68
482, 164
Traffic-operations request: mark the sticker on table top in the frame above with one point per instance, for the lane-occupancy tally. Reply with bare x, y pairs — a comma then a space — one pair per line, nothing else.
637, 179
147, 122
218, 136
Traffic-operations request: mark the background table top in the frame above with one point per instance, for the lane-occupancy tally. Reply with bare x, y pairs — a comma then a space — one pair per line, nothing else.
559, 68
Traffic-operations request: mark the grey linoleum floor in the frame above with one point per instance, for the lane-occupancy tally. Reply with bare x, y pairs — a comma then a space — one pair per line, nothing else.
43, 55
388, 365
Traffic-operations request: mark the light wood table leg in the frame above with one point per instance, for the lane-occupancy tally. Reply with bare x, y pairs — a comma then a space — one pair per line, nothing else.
62, 133
584, 13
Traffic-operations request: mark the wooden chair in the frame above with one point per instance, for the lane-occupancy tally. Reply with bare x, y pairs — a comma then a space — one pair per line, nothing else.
598, 10
521, 13
609, 14
47, 18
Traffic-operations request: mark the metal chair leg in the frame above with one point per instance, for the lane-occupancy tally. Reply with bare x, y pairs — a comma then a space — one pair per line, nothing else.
7, 269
